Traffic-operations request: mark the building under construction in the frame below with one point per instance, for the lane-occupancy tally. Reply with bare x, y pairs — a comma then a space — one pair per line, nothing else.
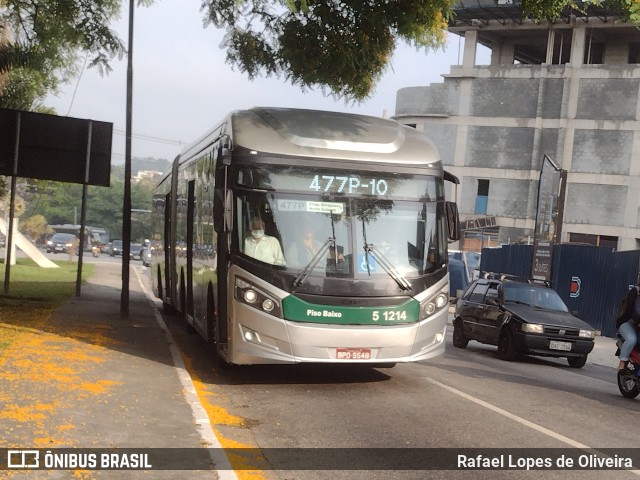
569, 90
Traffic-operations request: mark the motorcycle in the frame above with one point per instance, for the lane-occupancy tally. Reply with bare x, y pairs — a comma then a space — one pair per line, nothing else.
629, 383
95, 250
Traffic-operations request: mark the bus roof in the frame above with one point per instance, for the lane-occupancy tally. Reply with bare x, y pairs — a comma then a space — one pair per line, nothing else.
322, 134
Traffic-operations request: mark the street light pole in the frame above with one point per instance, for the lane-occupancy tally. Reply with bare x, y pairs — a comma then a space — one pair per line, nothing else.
126, 201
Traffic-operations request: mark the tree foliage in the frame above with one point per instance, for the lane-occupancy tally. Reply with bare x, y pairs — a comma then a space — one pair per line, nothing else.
342, 46
42, 43
60, 203
35, 227
551, 9
345, 47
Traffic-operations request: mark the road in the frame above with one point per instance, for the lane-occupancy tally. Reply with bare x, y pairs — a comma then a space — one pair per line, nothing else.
467, 399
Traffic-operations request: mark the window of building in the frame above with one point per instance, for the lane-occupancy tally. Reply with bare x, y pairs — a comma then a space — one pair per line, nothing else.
608, 241
594, 53
561, 48
483, 197
596, 240
634, 53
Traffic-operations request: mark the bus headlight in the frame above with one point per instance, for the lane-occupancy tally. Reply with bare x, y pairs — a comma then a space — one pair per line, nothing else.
249, 294
268, 305
433, 304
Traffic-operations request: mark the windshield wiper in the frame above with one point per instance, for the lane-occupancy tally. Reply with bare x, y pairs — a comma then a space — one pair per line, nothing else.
308, 268
370, 249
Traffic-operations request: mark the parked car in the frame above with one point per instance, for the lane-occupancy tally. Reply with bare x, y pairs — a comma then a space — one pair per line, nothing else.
521, 317
60, 242
116, 248
135, 251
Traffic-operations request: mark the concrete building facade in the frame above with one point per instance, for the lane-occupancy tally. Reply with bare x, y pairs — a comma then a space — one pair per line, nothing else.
568, 90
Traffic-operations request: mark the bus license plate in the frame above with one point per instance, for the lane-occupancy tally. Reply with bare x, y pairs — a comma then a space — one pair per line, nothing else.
353, 353
564, 346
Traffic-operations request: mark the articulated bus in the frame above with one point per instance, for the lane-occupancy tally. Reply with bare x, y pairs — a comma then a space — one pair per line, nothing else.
289, 236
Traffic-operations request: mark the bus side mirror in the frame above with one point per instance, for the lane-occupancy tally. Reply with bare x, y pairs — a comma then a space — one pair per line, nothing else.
225, 155
453, 223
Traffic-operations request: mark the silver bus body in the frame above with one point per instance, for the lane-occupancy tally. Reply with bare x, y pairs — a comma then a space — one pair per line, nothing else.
370, 188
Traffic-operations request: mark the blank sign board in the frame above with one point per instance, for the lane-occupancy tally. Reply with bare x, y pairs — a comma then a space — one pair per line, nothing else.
55, 148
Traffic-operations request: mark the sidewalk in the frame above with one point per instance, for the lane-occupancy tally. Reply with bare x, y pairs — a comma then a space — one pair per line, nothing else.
89, 378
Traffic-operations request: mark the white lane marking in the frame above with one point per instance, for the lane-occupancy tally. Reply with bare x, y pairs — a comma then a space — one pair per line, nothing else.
515, 418
218, 456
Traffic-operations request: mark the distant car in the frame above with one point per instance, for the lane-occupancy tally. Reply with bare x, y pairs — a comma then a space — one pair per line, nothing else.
521, 318
60, 242
116, 248
135, 251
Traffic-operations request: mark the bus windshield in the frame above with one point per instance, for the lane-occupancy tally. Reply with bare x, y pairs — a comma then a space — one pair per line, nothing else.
322, 221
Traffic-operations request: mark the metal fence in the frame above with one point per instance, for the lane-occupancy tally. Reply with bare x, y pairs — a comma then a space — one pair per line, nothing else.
591, 280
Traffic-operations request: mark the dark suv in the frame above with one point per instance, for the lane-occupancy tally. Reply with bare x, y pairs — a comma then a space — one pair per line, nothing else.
115, 248
60, 242
521, 317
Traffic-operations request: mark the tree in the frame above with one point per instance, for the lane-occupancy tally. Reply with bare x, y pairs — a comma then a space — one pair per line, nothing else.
35, 227
60, 203
42, 42
345, 47
340, 47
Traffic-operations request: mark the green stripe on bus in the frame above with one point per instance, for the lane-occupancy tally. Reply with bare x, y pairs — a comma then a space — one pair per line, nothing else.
301, 311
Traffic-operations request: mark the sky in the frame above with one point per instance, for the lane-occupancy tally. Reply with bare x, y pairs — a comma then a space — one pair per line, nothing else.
182, 85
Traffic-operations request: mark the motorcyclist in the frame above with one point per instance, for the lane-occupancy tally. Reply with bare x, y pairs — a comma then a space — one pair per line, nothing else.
627, 323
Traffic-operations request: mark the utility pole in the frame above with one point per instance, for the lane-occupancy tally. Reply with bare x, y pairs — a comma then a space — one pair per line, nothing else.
126, 201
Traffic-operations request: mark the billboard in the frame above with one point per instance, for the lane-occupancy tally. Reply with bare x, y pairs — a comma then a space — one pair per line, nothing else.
55, 148
548, 218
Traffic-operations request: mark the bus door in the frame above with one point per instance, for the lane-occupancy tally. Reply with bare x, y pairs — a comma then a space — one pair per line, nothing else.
222, 207
190, 215
168, 250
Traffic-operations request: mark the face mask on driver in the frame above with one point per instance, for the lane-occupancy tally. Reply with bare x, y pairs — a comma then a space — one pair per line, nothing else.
257, 233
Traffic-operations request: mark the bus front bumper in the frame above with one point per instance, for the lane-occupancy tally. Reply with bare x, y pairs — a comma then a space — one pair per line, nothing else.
259, 338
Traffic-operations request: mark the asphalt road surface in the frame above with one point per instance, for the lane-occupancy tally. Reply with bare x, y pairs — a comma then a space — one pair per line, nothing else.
469, 399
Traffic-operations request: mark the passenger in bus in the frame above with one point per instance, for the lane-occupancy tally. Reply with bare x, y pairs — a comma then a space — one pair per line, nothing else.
263, 247
301, 251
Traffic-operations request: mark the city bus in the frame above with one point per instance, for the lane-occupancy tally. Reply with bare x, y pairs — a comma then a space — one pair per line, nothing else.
93, 235
231, 215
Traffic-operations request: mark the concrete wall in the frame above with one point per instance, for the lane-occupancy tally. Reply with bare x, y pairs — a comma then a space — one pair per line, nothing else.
507, 197
437, 99
446, 140
498, 147
504, 97
595, 204
608, 98
602, 151
552, 100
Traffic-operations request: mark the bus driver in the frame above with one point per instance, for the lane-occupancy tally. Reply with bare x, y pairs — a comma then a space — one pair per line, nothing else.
263, 247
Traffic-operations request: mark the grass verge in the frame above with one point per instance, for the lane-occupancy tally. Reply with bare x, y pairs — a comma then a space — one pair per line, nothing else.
34, 293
